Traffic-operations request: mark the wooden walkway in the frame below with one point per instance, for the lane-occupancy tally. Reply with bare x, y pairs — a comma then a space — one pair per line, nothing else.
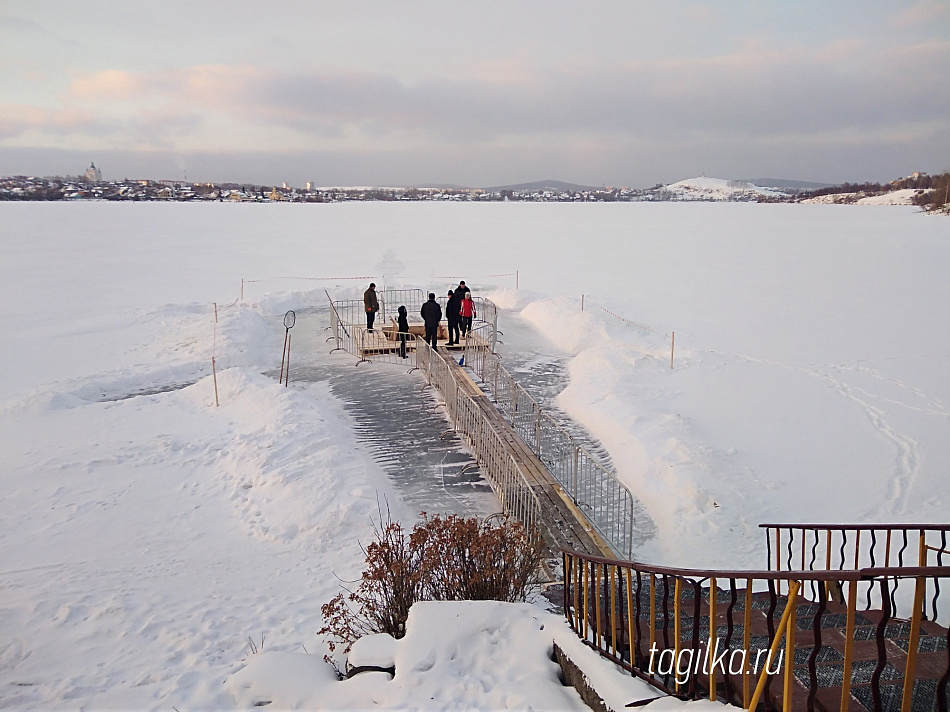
563, 524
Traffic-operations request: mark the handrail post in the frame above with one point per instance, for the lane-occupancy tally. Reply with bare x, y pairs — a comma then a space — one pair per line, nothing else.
713, 637
793, 587
652, 612
630, 529
746, 641
537, 431
598, 631
613, 607
792, 607
576, 454
849, 645
677, 591
911, 668
628, 576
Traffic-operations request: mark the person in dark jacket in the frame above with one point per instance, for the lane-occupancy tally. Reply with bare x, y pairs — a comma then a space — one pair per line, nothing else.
403, 331
452, 308
461, 290
432, 315
371, 304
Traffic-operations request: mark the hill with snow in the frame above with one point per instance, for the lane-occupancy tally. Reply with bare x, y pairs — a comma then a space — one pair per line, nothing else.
904, 196
716, 190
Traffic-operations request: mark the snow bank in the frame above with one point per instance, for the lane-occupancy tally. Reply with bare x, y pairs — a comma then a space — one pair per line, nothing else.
148, 534
904, 196
895, 197
806, 383
455, 655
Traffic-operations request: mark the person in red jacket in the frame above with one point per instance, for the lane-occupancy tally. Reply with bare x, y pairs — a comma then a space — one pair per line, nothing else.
467, 312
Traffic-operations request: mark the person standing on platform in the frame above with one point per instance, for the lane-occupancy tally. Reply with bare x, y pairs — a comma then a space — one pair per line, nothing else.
461, 290
452, 308
403, 331
432, 315
371, 303
468, 312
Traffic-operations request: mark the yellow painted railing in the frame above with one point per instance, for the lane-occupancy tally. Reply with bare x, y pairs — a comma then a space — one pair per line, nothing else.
767, 639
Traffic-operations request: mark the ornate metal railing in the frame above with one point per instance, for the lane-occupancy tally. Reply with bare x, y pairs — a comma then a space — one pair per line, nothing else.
838, 546
819, 547
733, 635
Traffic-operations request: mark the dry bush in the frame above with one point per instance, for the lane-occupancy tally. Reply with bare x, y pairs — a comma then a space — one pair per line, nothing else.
391, 582
443, 559
468, 560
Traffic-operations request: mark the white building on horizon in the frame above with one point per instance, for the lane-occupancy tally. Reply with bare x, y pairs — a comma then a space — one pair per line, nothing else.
93, 174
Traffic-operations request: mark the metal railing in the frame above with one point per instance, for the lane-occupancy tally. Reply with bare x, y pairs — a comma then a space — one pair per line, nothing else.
837, 546
604, 500
506, 478
352, 312
734, 636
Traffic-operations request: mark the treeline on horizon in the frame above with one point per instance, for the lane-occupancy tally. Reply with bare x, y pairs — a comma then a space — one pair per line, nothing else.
934, 190
934, 196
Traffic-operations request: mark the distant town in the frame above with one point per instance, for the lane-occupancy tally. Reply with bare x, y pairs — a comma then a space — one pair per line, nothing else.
919, 188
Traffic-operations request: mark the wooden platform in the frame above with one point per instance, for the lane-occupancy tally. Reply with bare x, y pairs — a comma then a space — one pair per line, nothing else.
563, 524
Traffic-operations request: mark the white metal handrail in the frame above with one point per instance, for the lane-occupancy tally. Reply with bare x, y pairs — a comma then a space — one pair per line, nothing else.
605, 500
503, 473
350, 315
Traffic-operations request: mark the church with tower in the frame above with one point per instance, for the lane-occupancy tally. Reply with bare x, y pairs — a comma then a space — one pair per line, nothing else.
93, 174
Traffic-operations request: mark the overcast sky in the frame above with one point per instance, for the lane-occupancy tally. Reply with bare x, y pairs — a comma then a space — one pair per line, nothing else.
475, 93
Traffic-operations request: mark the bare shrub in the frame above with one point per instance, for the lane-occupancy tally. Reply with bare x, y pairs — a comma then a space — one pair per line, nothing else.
468, 560
391, 582
444, 559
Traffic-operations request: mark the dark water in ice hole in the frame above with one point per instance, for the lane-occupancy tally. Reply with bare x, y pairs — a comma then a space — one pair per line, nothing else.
401, 425
542, 371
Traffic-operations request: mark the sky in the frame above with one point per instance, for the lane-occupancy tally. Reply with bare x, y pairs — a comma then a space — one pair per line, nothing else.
620, 93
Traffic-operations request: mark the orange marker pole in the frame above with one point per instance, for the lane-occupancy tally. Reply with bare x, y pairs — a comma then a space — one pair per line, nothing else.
672, 344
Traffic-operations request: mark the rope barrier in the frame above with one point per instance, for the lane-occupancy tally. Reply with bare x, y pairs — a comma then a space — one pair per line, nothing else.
480, 276
628, 321
316, 279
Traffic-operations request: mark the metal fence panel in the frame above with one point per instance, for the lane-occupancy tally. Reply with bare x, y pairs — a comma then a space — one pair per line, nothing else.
596, 491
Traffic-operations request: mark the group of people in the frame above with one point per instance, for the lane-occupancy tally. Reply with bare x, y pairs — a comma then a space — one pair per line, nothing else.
459, 312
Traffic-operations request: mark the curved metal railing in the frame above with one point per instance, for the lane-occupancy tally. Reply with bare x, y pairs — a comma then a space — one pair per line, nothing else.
733, 635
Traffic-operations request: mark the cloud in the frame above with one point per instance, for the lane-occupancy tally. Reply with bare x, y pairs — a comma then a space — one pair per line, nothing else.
922, 13
18, 24
111, 84
16, 119
755, 102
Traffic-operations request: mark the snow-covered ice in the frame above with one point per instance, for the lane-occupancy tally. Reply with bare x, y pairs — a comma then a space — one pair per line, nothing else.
149, 536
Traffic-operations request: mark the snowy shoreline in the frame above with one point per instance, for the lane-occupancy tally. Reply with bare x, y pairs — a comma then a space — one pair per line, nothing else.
148, 534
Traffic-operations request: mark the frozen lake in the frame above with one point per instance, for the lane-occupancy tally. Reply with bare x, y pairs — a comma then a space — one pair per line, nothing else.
148, 534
